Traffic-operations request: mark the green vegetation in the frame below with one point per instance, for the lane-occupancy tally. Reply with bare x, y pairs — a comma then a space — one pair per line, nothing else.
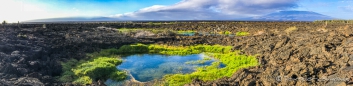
291, 29
84, 72
173, 22
185, 32
155, 31
233, 62
154, 23
224, 54
150, 23
227, 33
21, 35
164, 49
180, 32
83, 80
68, 75
241, 33
4, 22
129, 30
334, 21
187, 50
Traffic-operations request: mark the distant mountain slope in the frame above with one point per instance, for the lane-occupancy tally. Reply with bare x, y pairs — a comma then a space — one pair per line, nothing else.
291, 16
66, 19
278, 16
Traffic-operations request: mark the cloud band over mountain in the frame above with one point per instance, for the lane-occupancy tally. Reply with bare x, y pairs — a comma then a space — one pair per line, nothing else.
209, 9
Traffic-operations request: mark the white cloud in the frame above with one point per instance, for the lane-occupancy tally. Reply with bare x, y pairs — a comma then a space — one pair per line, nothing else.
17, 10
21, 10
153, 8
210, 9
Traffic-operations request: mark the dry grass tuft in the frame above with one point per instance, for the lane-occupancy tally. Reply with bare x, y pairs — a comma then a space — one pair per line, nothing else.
259, 33
291, 29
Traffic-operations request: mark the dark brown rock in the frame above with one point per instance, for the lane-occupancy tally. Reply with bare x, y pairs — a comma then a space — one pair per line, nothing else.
309, 52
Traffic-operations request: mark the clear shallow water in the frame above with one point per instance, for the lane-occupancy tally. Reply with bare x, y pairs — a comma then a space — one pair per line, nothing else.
147, 67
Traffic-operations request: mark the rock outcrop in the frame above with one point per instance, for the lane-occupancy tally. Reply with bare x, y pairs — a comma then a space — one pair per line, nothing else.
313, 54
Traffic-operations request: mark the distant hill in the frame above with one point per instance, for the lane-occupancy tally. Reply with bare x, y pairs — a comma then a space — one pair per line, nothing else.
70, 19
278, 16
291, 16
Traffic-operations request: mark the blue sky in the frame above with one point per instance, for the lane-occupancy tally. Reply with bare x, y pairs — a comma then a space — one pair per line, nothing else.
21, 10
342, 9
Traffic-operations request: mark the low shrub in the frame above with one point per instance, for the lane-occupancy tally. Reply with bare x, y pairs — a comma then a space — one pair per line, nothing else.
108, 52
224, 32
118, 75
125, 49
84, 80
242, 33
227, 33
187, 32
68, 75
137, 48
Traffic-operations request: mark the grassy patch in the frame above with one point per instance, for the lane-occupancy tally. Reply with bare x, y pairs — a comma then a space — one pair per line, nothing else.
241, 33
129, 30
227, 33
155, 23
334, 21
187, 50
164, 49
233, 62
84, 72
186, 32
68, 75
180, 32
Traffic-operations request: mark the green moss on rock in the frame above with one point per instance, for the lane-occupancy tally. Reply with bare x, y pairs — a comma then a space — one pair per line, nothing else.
86, 72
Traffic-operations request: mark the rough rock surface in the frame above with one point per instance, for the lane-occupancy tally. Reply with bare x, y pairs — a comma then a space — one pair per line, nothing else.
31, 55
304, 57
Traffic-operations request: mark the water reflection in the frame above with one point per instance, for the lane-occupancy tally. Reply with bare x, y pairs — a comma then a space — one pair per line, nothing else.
147, 67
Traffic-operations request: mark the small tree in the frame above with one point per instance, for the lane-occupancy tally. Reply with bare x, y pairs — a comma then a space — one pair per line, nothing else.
4, 22
150, 23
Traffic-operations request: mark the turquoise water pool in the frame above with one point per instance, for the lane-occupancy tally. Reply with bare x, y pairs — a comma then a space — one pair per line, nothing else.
147, 67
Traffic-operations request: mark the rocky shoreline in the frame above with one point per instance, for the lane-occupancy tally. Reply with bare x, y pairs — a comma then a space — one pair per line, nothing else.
31, 54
